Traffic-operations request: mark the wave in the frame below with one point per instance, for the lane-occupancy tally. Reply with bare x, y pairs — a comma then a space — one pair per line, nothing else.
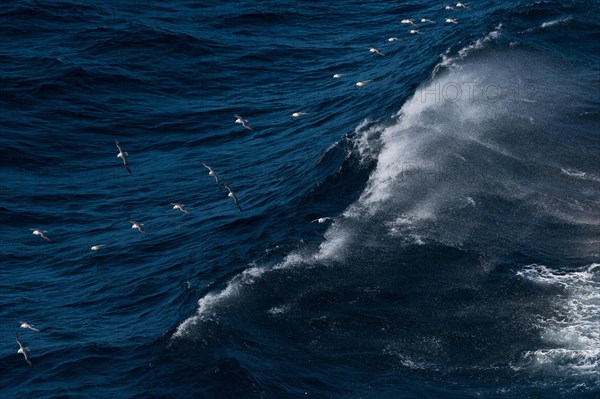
461, 166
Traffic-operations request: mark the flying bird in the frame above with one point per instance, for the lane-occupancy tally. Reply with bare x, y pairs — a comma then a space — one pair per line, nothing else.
376, 51
338, 75
298, 114
408, 21
415, 32
123, 155
212, 173
41, 233
451, 21
323, 219
96, 247
392, 39
181, 207
424, 20
462, 5
363, 83
232, 195
27, 325
243, 121
137, 225
446, 7
22, 350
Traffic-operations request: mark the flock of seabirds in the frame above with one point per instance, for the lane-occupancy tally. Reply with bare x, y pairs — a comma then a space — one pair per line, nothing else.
211, 172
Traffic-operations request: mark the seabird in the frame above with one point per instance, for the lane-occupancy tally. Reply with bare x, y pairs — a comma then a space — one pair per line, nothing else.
123, 155
392, 39
137, 225
27, 325
451, 21
414, 31
408, 21
23, 350
323, 219
424, 20
462, 5
212, 173
181, 207
376, 51
298, 114
41, 233
363, 83
243, 121
446, 7
338, 75
232, 195
96, 247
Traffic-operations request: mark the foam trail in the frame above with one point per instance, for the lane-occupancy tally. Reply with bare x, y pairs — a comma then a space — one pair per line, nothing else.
573, 335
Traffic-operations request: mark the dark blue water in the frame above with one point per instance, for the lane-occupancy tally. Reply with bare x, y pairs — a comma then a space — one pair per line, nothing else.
465, 261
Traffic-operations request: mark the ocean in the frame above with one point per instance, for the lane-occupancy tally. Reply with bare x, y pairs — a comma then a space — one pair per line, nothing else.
459, 256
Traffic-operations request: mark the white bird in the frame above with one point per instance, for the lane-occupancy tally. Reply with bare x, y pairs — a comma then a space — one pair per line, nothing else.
232, 195
408, 21
415, 32
27, 325
41, 233
424, 20
298, 114
212, 173
137, 225
22, 350
123, 155
181, 207
392, 39
363, 83
338, 75
323, 219
448, 7
376, 51
451, 21
96, 247
244, 122
462, 5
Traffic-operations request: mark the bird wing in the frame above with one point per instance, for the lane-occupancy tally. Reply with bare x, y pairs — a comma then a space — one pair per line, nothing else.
118, 146
217, 180
19, 342
207, 167
237, 202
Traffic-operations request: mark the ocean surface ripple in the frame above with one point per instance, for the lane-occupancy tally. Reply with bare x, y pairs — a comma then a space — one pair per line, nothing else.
464, 178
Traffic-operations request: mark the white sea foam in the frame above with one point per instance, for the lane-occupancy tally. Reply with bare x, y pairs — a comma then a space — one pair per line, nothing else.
450, 61
555, 22
209, 305
573, 336
549, 24
580, 175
